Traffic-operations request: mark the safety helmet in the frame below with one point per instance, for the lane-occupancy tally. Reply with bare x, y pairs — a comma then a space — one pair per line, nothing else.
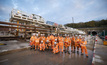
41, 41
76, 35
33, 34
79, 35
65, 34
68, 35
55, 43
36, 34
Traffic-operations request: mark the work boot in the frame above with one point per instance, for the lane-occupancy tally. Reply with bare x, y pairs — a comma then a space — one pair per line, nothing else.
30, 48
81, 53
74, 52
77, 51
87, 56
35, 50
68, 52
65, 51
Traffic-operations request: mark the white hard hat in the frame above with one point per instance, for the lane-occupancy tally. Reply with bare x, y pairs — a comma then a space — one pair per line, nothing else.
36, 34
54, 42
75, 35
68, 35
79, 35
33, 34
83, 36
41, 41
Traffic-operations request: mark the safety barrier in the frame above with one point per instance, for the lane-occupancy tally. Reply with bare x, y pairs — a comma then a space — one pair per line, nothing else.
93, 59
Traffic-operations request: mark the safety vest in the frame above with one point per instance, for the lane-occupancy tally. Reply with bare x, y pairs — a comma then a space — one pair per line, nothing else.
83, 43
33, 38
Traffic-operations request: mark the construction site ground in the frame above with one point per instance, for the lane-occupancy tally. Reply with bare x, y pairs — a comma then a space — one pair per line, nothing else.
18, 53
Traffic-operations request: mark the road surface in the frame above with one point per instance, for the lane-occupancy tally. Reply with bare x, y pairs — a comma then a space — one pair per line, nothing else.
31, 57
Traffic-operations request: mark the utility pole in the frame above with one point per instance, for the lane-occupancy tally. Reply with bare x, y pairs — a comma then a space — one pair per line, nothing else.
73, 21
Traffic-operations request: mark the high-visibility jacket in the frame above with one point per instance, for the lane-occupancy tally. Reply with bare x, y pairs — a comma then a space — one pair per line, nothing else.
73, 41
83, 47
43, 39
32, 40
80, 40
55, 39
52, 37
83, 43
42, 47
55, 49
61, 39
67, 42
61, 45
37, 41
77, 42
52, 41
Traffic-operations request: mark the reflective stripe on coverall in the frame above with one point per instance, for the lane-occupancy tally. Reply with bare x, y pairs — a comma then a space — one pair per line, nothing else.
32, 39
73, 42
52, 41
55, 49
61, 44
42, 46
84, 48
37, 42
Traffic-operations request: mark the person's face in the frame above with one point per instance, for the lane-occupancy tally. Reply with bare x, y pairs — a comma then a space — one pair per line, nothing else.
83, 39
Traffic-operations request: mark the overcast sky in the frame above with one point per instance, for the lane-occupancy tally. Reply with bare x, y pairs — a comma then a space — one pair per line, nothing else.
59, 11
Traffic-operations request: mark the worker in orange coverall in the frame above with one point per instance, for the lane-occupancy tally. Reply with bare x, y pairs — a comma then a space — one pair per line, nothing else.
42, 45
73, 44
52, 41
77, 44
37, 42
55, 48
83, 47
55, 38
67, 43
48, 42
32, 40
61, 43
42, 42
43, 38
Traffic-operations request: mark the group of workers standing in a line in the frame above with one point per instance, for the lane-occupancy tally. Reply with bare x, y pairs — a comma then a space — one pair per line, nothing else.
59, 43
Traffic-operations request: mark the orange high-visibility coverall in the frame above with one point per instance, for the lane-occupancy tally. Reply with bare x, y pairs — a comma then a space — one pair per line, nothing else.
55, 38
48, 41
73, 43
52, 41
67, 42
61, 39
76, 42
83, 47
42, 46
32, 39
55, 49
37, 42
43, 39
79, 42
